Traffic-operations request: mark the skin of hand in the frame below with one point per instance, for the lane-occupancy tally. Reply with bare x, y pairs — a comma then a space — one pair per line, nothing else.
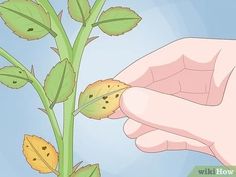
183, 97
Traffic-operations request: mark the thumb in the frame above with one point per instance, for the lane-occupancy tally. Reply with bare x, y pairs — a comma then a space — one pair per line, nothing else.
169, 113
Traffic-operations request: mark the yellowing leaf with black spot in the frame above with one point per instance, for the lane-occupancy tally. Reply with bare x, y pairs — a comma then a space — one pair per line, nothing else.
40, 154
88, 171
79, 10
100, 99
118, 20
26, 18
60, 82
13, 77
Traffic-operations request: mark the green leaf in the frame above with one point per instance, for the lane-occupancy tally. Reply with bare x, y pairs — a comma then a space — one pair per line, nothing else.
79, 10
117, 20
101, 99
88, 171
26, 18
13, 77
60, 82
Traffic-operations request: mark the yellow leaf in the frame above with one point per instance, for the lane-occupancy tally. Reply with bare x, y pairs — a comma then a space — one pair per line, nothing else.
101, 99
40, 154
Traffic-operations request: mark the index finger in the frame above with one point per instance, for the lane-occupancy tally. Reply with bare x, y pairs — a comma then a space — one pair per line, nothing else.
193, 53
140, 73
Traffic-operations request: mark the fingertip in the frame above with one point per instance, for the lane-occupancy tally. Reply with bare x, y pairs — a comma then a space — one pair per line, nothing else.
130, 128
134, 129
134, 101
151, 142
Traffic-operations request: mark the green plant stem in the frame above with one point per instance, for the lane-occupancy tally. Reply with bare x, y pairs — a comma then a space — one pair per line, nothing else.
65, 51
69, 105
85, 32
39, 89
62, 41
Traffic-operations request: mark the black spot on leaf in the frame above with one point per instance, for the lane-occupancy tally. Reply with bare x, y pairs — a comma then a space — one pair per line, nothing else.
30, 29
48, 154
103, 107
34, 159
14, 82
90, 96
44, 148
117, 95
107, 102
105, 97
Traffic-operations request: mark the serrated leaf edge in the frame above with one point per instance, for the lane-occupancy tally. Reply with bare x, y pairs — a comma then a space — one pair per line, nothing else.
38, 154
49, 75
97, 98
140, 18
81, 11
16, 77
53, 33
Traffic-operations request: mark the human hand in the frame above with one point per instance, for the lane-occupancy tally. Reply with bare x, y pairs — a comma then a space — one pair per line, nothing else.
183, 98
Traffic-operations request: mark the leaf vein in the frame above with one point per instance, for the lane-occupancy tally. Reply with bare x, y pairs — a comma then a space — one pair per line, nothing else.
32, 19
81, 11
113, 20
41, 158
60, 85
18, 77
